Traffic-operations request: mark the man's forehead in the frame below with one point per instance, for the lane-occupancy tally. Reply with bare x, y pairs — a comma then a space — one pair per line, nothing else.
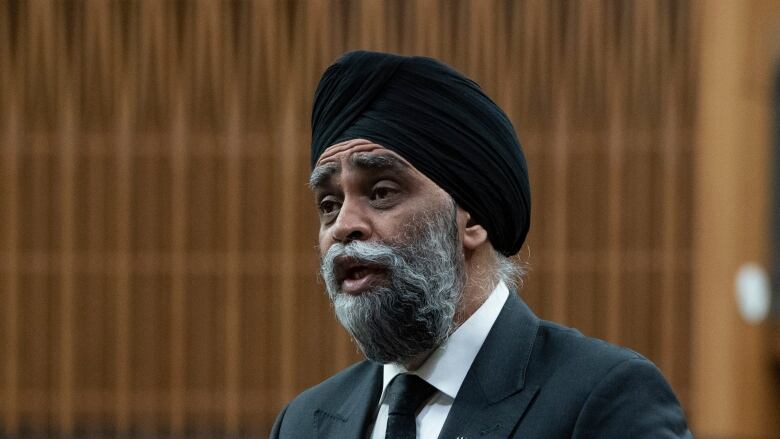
360, 153
359, 147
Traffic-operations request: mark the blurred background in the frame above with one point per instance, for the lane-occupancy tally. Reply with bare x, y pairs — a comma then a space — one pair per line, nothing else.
157, 239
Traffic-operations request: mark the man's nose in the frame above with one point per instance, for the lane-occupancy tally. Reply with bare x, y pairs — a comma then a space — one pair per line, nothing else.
352, 223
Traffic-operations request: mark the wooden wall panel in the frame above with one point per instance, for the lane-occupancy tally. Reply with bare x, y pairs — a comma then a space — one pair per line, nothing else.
736, 377
157, 260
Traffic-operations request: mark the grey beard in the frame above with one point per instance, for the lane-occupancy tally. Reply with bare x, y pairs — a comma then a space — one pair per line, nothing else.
413, 313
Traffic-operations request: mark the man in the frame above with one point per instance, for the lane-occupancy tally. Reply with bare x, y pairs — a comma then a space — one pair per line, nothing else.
423, 194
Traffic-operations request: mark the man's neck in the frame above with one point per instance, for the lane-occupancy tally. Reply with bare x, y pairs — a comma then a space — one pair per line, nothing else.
415, 363
481, 279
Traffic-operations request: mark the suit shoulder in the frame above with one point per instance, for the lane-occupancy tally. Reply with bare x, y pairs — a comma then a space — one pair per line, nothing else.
596, 389
333, 387
566, 356
563, 341
297, 419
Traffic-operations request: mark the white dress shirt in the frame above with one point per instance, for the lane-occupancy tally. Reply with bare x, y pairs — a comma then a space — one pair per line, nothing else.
446, 368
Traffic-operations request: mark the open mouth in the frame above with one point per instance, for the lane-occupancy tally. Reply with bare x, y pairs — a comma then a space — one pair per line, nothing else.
355, 276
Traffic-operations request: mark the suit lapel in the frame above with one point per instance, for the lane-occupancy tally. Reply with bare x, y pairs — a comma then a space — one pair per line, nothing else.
494, 395
348, 417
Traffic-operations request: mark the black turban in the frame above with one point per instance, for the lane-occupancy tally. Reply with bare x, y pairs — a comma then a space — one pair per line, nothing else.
439, 121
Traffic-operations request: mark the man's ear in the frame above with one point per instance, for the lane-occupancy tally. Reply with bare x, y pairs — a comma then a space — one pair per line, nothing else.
474, 235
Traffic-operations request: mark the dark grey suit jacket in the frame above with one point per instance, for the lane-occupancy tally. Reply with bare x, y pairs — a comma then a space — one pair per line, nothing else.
531, 379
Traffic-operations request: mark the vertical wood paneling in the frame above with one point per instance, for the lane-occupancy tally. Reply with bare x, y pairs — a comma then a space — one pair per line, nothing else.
670, 324
557, 180
734, 377
124, 139
233, 261
155, 154
286, 156
67, 120
179, 207
10, 136
725, 22
615, 141
123, 267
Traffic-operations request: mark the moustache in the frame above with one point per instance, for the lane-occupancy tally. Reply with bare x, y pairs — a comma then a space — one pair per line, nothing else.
345, 261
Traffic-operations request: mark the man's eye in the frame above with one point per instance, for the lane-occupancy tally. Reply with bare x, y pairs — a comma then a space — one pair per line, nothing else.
328, 206
382, 192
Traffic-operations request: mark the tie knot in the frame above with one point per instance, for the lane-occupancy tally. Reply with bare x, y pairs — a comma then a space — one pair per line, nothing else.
406, 393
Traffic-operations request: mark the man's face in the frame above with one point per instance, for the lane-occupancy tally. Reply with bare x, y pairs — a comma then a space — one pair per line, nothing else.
390, 245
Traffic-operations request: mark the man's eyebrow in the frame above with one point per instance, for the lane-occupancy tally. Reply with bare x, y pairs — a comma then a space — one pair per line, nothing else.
377, 162
321, 173
360, 160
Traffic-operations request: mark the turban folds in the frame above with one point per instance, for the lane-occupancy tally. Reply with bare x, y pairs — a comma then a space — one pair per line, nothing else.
439, 121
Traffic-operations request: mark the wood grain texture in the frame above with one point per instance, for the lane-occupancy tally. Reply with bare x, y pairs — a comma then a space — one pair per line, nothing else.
157, 233
735, 385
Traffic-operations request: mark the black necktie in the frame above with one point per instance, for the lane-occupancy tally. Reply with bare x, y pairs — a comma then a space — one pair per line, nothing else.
405, 394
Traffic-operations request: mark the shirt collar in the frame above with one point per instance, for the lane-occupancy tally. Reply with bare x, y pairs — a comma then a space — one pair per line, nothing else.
447, 366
